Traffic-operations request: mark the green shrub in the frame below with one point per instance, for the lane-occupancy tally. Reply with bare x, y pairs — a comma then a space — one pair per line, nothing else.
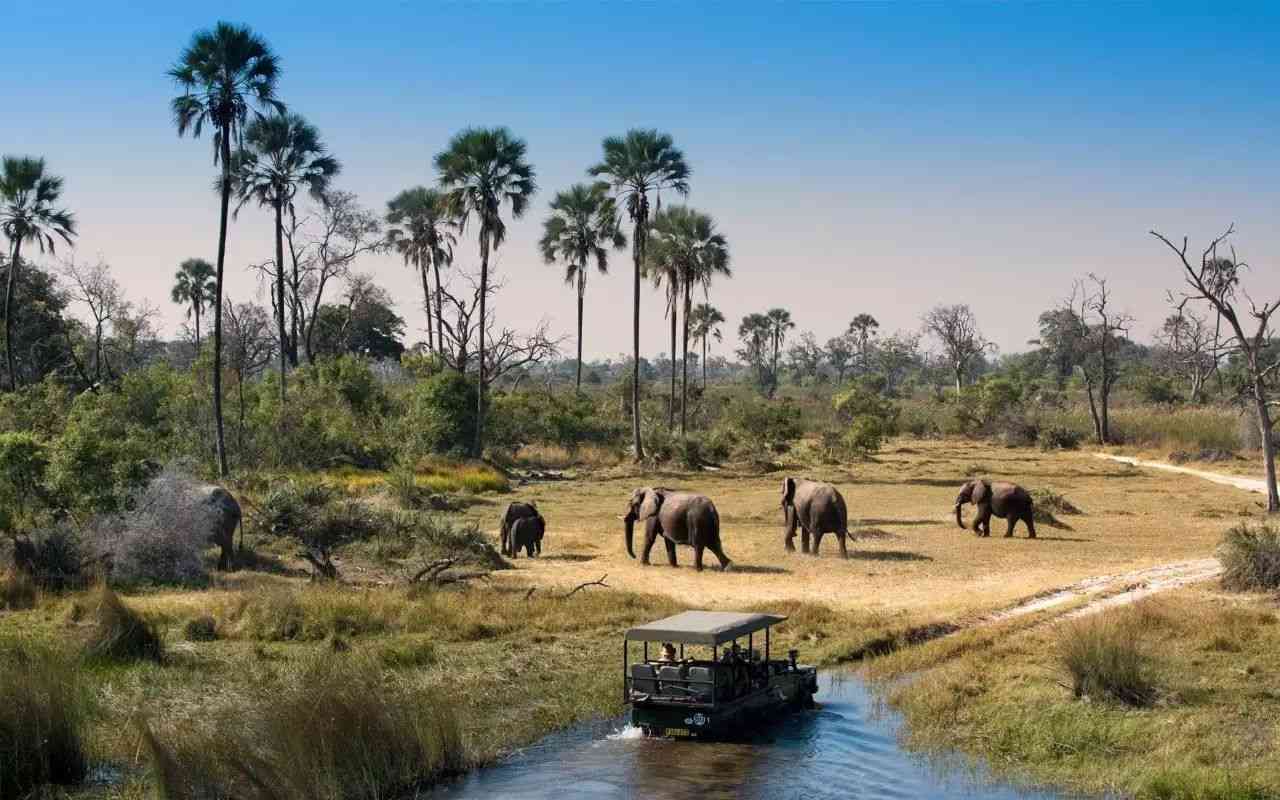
44, 712
1105, 662
203, 628
917, 419
1250, 558
23, 461
402, 485
1058, 437
439, 416
997, 398
336, 732
865, 434
407, 653
55, 557
761, 428
118, 633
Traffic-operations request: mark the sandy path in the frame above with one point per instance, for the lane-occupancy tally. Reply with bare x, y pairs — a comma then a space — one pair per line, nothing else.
1248, 484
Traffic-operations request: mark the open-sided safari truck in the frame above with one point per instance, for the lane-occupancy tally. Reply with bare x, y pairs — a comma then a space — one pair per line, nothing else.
695, 678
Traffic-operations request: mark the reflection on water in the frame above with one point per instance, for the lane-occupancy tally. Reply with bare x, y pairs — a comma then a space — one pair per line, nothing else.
847, 748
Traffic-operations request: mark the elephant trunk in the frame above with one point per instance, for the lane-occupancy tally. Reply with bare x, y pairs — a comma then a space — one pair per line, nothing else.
959, 519
630, 522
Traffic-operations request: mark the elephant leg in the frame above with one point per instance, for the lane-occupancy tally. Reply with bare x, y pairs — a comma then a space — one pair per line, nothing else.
224, 559
650, 535
804, 540
671, 551
504, 543
976, 525
817, 541
1013, 521
513, 547
840, 537
1029, 519
697, 556
721, 557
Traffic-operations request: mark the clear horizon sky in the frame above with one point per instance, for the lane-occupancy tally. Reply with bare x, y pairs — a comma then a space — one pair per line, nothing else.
859, 157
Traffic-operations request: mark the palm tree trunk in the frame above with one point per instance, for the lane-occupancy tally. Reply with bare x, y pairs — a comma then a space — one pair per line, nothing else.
280, 317
426, 305
637, 253
294, 324
582, 290
220, 441
684, 364
435, 265
195, 307
671, 406
484, 291
704, 364
8, 312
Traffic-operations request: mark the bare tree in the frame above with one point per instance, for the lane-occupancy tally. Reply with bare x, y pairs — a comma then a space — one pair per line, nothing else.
507, 351
956, 329
250, 346
119, 331
1100, 332
1190, 349
1215, 280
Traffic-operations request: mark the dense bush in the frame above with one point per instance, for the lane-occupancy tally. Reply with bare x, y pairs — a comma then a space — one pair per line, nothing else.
338, 731
54, 556
1058, 437
439, 416
1105, 662
1250, 558
23, 461
44, 711
761, 429
18, 590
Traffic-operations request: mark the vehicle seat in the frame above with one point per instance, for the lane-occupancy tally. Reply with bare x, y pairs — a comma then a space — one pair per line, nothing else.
700, 683
643, 679
671, 679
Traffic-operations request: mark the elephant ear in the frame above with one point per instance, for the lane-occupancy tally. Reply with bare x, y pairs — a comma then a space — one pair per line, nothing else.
653, 499
981, 491
788, 490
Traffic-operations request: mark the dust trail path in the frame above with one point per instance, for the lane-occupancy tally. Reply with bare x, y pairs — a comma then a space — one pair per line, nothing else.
1248, 484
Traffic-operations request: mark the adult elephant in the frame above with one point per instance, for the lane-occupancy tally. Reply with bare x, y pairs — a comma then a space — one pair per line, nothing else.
679, 518
1005, 500
515, 511
224, 517
817, 508
526, 534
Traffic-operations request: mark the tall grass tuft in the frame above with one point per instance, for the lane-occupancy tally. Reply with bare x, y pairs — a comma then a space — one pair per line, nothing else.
18, 590
1105, 662
337, 731
1250, 558
118, 633
44, 708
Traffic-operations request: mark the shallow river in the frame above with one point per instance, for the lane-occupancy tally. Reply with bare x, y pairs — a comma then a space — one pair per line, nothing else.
847, 748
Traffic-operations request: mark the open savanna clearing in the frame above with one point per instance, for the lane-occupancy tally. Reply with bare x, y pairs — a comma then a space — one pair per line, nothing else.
909, 560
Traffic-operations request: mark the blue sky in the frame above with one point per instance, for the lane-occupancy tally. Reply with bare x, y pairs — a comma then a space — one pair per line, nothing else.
859, 157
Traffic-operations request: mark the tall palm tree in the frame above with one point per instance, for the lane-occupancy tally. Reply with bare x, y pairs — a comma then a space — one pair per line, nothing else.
483, 169
582, 227
193, 286
221, 73
641, 163
705, 321
28, 214
281, 154
779, 323
691, 252
422, 234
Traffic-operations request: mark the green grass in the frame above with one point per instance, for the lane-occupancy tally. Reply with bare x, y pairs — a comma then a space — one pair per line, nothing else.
44, 712
1105, 661
1250, 558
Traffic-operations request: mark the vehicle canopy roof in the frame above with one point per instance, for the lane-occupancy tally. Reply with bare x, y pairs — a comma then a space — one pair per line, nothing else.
702, 627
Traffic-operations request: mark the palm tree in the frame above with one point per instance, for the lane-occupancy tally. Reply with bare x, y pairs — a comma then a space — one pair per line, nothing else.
779, 323
424, 239
221, 72
638, 164
687, 241
194, 286
582, 227
704, 323
482, 169
281, 154
27, 214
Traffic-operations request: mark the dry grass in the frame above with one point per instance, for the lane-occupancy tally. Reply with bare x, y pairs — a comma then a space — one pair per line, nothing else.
1106, 661
18, 591
439, 476
44, 708
1251, 558
116, 632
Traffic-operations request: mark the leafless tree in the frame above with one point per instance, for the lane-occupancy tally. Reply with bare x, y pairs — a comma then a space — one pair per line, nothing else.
508, 351
1189, 345
250, 346
1100, 332
119, 331
956, 329
1215, 280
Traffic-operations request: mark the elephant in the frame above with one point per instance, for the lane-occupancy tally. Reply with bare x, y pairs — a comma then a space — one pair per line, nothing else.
1005, 500
515, 511
679, 518
224, 518
818, 508
526, 533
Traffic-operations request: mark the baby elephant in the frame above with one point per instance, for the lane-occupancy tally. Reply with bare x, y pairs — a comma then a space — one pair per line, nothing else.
516, 511
526, 534
1005, 500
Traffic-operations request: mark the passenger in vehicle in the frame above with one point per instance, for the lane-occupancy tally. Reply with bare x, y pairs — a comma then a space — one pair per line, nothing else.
668, 652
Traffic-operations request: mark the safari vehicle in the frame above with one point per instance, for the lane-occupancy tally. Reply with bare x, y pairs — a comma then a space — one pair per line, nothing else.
719, 695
